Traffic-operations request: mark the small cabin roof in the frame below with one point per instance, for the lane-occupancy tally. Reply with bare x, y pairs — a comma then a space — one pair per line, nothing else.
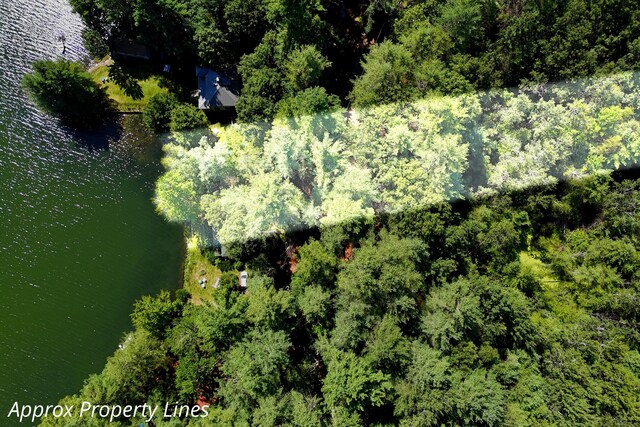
131, 49
214, 89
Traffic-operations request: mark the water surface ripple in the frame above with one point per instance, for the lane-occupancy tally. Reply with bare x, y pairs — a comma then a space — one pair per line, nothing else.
79, 238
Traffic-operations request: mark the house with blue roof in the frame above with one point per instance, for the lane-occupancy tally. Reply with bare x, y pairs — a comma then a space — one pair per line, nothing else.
215, 90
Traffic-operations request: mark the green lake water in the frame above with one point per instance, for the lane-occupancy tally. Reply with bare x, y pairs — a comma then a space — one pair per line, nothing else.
79, 237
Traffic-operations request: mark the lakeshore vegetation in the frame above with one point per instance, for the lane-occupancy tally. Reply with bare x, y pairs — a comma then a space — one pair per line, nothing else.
518, 309
424, 247
372, 51
64, 89
295, 57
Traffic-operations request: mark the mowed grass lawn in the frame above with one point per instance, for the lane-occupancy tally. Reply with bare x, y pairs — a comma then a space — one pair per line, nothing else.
150, 86
196, 267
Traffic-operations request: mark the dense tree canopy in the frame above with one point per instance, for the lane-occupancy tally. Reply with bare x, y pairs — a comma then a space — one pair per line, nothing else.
442, 252
331, 166
455, 46
405, 49
501, 324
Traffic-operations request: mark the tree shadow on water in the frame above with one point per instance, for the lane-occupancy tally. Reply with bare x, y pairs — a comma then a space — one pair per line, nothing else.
99, 137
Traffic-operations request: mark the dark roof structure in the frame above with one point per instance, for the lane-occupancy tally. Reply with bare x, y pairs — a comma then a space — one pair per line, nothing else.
215, 89
131, 49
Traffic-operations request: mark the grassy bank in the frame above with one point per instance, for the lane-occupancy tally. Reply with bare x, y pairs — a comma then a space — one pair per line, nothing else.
150, 86
197, 267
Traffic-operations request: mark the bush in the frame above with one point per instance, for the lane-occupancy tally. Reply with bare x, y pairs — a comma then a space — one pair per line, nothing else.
156, 314
224, 264
187, 116
309, 102
157, 113
62, 88
182, 295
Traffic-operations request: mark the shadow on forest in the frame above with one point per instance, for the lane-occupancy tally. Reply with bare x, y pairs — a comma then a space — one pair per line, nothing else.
275, 255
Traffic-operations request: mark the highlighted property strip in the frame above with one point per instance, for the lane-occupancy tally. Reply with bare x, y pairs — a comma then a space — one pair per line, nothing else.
245, 181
